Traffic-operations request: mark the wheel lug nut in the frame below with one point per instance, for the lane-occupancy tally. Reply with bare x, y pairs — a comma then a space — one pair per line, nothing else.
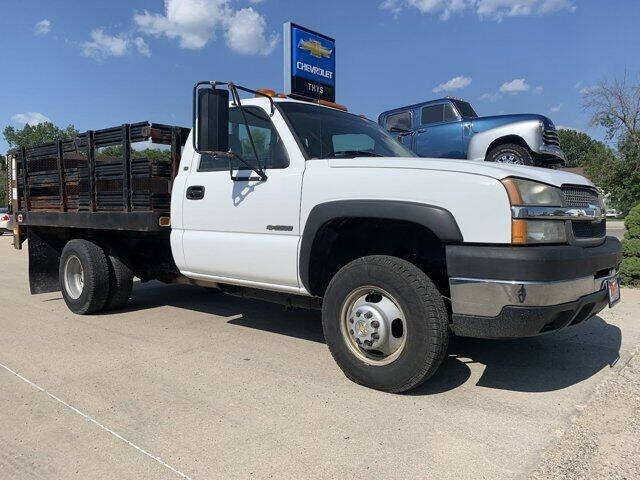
368, 343
351, 320
375, 324
351, 332
358, 341
358, 313
368, 315
375, 336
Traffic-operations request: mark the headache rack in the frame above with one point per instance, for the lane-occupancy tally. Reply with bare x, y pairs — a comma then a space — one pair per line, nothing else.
71, 183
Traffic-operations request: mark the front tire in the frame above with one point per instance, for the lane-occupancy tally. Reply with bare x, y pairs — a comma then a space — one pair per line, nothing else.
510, 153
83, 276
385, 323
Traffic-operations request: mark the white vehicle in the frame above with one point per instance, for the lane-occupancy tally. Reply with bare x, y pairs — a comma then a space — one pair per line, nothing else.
5, 221
311, 206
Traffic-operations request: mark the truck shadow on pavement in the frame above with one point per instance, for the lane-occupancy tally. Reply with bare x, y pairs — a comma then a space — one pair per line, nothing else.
538, 364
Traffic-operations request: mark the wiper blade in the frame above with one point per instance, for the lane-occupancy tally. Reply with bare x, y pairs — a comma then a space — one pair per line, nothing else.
352, 153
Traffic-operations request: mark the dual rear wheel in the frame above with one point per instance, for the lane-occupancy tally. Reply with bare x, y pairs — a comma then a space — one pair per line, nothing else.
91, 279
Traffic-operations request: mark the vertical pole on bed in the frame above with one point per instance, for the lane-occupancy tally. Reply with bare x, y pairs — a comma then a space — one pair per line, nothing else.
126, 166
61, 176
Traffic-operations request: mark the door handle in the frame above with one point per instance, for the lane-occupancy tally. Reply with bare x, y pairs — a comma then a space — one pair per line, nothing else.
195, 192
421, 130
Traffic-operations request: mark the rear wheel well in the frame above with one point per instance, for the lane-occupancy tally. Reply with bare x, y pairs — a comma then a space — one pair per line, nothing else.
343, 240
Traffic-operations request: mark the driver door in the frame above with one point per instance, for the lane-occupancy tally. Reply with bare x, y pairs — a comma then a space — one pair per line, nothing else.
246, 231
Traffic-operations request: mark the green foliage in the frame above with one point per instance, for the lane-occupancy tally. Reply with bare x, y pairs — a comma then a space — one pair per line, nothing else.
630, 269
151, 153
614, 172
576, 145
633, 218
30, 136
631, 247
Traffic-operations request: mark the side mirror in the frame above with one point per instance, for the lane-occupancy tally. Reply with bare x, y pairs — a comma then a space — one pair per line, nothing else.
211, 120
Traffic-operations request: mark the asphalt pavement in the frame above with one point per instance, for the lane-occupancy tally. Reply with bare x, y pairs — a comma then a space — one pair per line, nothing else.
184, 383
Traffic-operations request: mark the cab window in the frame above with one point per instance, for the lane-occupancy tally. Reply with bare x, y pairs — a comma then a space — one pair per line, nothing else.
271, 151
438, 114
401, 121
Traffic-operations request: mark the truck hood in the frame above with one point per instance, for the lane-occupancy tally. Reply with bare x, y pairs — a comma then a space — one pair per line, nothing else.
493, 170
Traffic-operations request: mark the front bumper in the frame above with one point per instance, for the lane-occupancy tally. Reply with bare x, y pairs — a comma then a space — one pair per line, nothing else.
523, 291
553, 151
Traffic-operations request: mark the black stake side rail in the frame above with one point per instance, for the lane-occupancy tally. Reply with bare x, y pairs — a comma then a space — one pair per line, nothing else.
85, 145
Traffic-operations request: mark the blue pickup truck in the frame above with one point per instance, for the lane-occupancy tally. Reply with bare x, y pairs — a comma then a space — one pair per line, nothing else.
450, 128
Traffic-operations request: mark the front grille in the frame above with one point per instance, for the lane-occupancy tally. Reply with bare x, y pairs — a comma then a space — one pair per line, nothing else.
575, 196
588, 229
550, 136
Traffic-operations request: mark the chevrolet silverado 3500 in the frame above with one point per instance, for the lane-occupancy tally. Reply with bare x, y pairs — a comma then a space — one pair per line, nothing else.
308, 205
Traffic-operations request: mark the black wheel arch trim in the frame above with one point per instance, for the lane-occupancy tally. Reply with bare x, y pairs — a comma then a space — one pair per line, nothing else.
437, 219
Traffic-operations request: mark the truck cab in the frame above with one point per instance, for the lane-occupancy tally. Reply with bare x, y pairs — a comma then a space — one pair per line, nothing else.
450, 128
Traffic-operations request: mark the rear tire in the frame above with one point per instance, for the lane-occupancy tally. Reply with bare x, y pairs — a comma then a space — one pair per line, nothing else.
510, 153
408, 294
83, 276
120, 282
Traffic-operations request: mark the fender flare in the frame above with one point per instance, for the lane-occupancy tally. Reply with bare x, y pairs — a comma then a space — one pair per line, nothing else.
437, 219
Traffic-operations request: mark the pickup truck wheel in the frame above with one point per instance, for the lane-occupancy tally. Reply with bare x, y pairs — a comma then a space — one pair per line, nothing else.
385, 323
84, 276
120, 282
510, 153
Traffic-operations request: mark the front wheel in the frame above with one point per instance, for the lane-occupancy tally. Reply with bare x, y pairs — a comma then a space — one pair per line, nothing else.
385, 323
510, 153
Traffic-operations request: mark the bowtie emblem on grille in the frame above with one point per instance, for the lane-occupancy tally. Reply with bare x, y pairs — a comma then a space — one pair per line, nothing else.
522, 294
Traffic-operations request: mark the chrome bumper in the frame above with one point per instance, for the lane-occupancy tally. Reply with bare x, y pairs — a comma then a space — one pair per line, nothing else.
487, 298
552, 150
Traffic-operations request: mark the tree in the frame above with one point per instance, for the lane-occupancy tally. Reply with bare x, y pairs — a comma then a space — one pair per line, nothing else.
30, 136
630, 269
615, 106
150, 153
577, 146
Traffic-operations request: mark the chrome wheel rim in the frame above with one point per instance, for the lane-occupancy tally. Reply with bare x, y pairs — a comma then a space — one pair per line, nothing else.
509, 157
373, 325
73, 277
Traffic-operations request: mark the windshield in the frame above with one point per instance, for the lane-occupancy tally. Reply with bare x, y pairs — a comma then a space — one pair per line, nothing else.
465, 109
328, 133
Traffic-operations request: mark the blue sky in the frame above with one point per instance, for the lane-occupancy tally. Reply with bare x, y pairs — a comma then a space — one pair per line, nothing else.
96, 63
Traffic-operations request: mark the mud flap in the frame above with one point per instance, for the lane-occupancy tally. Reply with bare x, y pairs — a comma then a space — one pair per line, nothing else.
44, 261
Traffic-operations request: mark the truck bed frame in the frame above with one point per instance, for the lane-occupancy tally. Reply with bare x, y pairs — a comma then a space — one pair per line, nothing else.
69, 184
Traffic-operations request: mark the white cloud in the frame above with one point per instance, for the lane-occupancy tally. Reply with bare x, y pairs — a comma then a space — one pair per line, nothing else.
515, 86
493, 9
456, 83
490, 97
104, 45
32, 118
246, 33
555, 108
42, 27
195, 22
538, 90
587, 90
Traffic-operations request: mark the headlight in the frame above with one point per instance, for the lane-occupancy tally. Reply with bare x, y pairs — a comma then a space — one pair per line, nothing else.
537, 231
529, 193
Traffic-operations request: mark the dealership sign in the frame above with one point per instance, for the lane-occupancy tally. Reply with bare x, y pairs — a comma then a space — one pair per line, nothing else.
309, 63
